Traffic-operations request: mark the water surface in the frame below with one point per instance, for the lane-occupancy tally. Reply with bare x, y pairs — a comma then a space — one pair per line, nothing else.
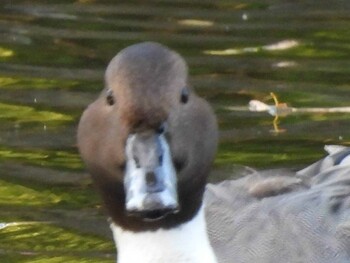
52, 57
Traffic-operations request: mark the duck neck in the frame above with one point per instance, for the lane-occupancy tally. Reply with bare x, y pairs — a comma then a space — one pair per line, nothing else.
188, 242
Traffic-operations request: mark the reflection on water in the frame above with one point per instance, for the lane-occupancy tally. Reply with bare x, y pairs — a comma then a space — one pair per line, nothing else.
52, 58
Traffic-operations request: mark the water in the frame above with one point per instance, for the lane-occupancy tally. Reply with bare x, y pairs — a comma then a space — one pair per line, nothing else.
52, 57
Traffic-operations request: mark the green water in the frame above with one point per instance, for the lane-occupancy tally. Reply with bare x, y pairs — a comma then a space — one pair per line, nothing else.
52, 57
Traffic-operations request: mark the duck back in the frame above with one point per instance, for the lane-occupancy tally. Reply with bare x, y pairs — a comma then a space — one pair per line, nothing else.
280, 217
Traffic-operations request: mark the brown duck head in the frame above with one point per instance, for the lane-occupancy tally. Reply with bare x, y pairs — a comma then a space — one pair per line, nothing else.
148, 140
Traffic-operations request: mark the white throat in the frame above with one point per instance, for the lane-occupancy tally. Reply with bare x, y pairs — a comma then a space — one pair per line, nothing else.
188, 243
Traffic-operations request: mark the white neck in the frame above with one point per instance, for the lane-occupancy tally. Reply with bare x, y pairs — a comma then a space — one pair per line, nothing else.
188, 243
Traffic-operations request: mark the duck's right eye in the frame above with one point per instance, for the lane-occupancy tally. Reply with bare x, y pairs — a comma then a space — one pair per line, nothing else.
184, 95
109, 97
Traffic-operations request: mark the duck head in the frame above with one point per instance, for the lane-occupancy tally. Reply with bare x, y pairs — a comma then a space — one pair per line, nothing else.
148, 140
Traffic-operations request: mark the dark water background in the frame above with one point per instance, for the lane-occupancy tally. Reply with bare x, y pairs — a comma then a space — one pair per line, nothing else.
52, 57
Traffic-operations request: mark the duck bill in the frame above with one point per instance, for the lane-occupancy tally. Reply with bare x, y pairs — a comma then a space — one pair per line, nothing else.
150, 179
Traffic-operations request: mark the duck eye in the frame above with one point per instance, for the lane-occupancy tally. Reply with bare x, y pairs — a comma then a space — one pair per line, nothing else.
184, 95
110, 97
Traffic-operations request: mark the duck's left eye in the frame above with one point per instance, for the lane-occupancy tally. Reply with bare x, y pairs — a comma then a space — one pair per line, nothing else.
184, 95
110, 97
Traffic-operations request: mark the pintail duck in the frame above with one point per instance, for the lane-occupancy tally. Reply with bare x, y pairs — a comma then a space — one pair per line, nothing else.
149, 141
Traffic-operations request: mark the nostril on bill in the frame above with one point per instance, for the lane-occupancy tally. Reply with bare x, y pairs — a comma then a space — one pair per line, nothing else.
160, 160
153, 184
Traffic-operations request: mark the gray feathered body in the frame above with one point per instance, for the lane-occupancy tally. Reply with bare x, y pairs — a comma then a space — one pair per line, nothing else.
302, 217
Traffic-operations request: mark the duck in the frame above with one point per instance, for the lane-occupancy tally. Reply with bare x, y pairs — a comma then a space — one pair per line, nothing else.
149, 141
